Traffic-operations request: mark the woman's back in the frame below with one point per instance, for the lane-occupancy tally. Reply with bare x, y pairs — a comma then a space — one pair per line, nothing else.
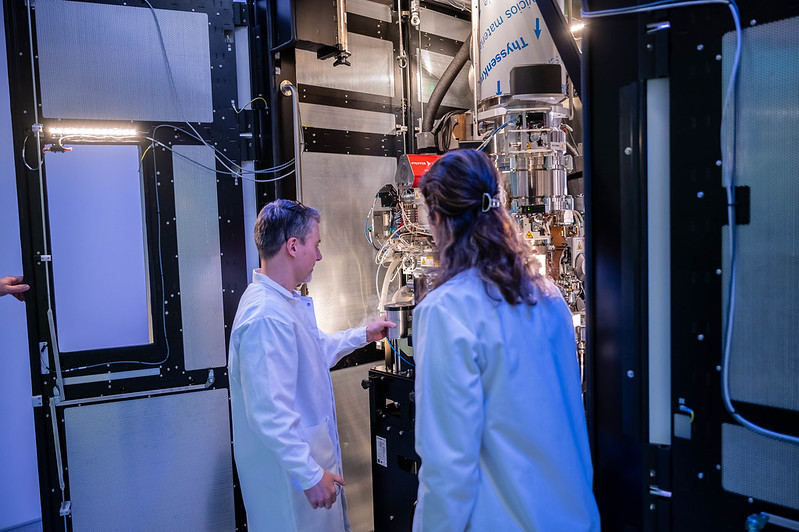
500, 423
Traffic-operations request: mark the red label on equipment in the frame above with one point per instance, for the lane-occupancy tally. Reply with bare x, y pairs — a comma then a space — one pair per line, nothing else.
419, 165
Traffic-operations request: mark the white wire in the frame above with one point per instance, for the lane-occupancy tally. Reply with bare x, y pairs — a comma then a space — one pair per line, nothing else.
239, 168
652, 6
727, 140
170, 148
220, 157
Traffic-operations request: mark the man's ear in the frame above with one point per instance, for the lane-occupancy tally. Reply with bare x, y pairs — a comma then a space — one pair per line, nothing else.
291, 246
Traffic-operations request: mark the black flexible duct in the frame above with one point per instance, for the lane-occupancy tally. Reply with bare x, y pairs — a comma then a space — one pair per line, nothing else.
444, 84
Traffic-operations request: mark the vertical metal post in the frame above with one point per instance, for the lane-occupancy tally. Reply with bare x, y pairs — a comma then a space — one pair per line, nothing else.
290, 90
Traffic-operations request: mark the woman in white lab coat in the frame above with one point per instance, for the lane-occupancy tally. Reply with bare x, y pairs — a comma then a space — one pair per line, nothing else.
500, 425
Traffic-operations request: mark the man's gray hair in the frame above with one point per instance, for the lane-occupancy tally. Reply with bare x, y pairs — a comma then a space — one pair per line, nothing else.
280, 220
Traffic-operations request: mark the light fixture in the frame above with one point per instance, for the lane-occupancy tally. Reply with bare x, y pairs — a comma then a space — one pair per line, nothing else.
91, 132
577, 28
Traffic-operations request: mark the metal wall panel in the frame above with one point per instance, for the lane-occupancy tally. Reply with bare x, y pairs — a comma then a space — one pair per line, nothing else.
343, 187
372, 69
352, 412
764, 368
444, 25
433, 66
199, 261
94, 57
759, 467
369, 9
344, 119
160, 463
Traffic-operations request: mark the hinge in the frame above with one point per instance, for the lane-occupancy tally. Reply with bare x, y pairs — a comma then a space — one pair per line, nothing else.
37, 400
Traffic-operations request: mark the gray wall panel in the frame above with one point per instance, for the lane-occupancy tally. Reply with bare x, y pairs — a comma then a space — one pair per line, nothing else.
342, 187
199, 260
372, 69
369, 9
160, 463
328, 117
352, 412
100, 61
433, 66
764, 366
444, 25
759, 467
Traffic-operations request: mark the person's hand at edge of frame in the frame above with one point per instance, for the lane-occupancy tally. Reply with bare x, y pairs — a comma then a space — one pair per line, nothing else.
12, 284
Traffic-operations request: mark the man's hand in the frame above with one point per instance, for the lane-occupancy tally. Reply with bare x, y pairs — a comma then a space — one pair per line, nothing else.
378, 329
13, 285
323, 494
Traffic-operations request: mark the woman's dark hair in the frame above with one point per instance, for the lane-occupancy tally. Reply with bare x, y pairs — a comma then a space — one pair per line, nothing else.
472, 231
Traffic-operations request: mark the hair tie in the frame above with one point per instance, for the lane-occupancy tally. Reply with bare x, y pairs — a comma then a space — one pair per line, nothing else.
489, 202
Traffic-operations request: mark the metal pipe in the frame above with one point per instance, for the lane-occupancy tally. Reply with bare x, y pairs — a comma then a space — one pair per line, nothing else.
343, 41
57, 445
133, 395
290, 90
445, 82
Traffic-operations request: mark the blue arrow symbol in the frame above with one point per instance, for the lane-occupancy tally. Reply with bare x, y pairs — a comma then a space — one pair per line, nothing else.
537, 29
499, 91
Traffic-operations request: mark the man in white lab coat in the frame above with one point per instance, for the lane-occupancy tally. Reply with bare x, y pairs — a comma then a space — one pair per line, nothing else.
285, 438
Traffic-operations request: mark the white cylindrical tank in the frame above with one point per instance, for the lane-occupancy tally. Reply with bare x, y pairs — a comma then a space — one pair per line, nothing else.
510, 33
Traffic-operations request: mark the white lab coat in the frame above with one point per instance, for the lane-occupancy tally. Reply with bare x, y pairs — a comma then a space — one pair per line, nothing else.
500, 425
284, 417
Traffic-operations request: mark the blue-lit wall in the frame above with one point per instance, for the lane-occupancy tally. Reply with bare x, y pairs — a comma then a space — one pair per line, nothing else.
19, 485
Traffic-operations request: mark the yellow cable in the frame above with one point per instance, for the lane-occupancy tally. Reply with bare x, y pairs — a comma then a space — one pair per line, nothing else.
248, 103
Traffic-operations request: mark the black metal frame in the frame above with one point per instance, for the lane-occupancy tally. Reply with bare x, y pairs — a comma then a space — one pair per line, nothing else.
223, 132
625, 464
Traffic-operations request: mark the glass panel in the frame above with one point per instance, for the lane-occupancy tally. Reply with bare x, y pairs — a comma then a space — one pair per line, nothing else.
100, 276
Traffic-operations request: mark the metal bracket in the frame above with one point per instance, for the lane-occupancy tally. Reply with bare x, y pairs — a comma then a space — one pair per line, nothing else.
44, 357
654, 490
66, 508
743, 207
37, 400
240, 14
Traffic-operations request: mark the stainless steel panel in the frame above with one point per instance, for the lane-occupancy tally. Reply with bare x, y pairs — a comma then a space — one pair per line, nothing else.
199, 260
444, 25
352, 411
342, 187
344, 119
102, 61
764, 367
372, 69
160, 463
369, 9
759, 467
433, 65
